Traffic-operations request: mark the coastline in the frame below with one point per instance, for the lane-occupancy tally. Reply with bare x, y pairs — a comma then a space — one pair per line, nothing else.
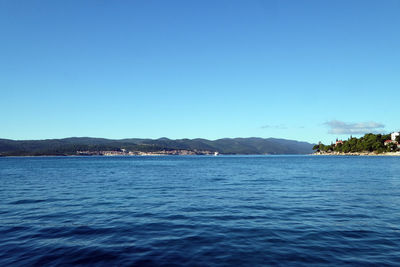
391, 154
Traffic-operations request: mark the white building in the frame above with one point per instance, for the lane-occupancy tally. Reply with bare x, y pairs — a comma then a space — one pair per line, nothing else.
394, 135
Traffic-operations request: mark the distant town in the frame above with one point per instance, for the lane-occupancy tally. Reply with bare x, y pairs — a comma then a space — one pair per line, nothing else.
124, 152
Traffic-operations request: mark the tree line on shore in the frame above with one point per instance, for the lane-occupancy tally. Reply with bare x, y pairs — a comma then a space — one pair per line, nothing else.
368, 143
74, 145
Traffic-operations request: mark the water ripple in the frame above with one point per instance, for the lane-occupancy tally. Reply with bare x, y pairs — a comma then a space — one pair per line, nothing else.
200, 211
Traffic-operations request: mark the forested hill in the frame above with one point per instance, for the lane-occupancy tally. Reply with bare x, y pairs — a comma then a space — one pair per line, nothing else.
70, 146
377, 143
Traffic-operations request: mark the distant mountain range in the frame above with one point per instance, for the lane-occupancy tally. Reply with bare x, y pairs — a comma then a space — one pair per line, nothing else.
70, 146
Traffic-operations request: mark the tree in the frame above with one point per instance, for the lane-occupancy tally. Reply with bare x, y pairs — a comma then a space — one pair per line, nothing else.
391, 147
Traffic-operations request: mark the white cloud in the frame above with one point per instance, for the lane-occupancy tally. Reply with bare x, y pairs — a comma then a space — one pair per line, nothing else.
340, 127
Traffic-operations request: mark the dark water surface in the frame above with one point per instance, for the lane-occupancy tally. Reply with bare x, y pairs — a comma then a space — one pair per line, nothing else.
200, 211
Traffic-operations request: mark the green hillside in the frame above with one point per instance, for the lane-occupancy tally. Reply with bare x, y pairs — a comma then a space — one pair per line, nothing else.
69, 146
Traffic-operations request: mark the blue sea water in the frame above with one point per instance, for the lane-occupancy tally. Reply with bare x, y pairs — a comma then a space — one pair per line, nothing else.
200, 211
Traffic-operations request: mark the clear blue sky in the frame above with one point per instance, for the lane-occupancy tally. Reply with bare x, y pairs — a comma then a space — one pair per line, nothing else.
304, 70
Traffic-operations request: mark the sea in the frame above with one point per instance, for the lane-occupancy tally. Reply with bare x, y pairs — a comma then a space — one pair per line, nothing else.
200, 211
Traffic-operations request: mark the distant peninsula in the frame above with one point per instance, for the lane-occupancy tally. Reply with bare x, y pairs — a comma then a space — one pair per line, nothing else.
369, 144
86, 146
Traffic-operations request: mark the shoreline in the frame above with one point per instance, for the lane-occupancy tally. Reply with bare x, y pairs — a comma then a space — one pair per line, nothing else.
150, 155
385, 154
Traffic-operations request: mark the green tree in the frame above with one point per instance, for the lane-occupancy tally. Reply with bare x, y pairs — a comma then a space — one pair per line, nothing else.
391, 147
